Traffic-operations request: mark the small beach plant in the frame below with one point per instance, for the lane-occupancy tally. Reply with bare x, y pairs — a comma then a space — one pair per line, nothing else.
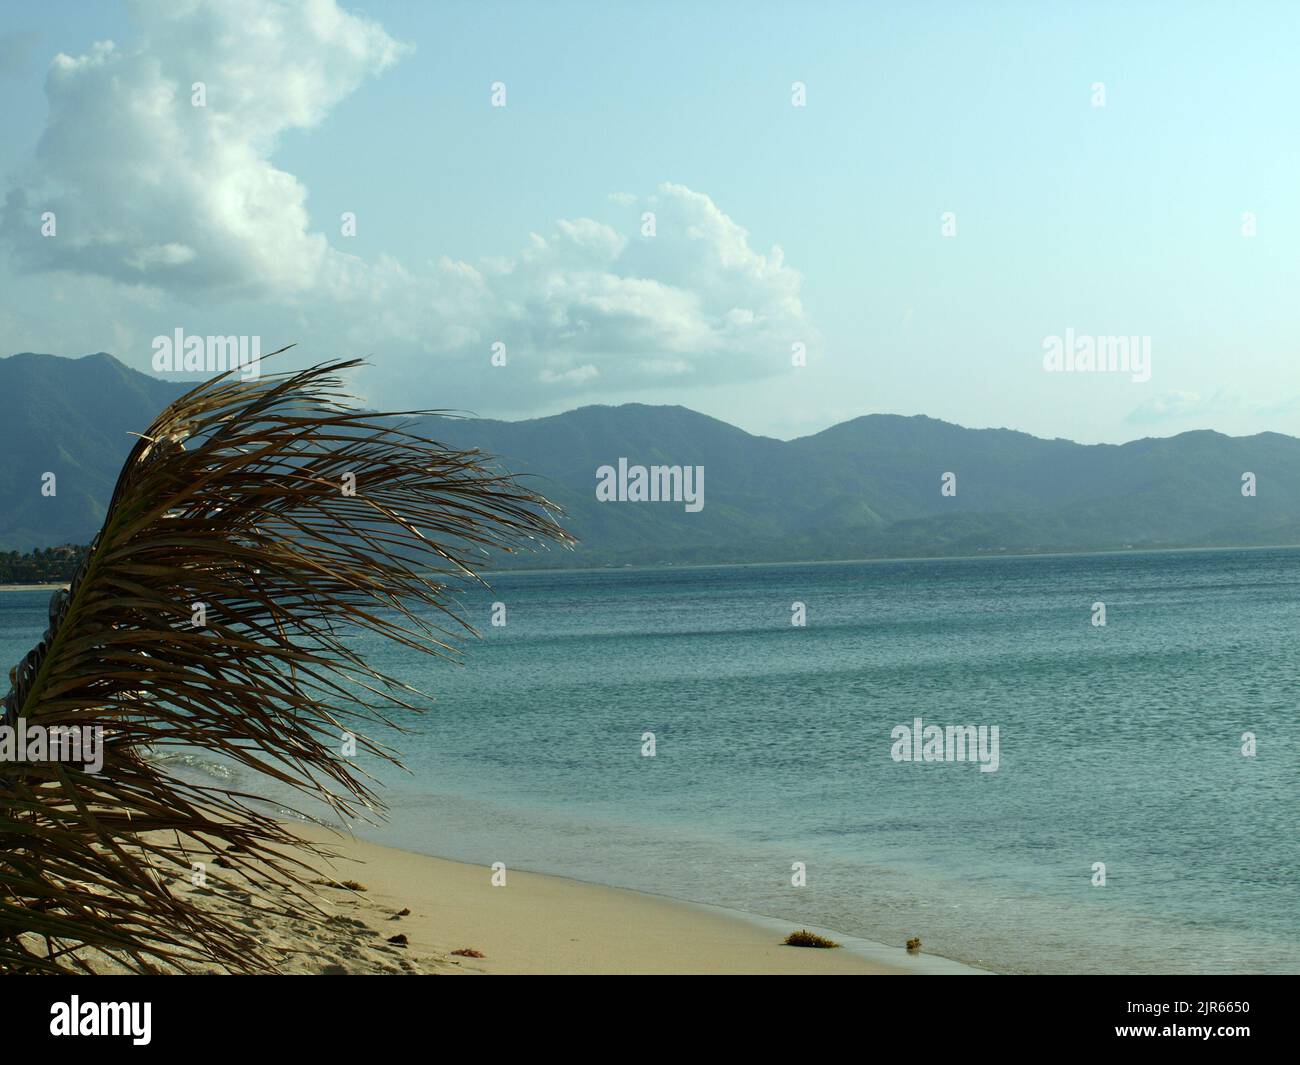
254, 527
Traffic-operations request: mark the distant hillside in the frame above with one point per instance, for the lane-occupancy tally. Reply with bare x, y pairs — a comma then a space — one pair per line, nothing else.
871, 487
69, 417
868, 487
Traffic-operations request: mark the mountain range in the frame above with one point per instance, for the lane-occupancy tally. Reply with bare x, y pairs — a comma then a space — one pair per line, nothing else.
870, 487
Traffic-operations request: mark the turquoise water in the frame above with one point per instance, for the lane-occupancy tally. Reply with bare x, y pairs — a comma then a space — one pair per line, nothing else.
1118, 744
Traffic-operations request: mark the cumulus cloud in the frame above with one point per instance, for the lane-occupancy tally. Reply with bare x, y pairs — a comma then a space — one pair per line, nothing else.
146, 187
593, 307
151, 191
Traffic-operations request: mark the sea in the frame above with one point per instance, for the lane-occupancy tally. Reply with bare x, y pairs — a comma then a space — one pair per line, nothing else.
733, 736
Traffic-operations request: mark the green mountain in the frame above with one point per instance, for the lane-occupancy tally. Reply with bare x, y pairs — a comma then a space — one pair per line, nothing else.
871, 487
71, 418
867, 487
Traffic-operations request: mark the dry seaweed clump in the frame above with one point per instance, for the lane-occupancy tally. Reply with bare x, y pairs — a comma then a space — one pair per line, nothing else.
804, 938
913, 945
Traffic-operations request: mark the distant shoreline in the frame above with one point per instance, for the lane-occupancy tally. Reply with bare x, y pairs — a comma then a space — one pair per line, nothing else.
1082, 553
616, 567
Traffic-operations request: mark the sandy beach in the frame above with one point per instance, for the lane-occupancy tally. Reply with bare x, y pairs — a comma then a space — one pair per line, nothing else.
533, 924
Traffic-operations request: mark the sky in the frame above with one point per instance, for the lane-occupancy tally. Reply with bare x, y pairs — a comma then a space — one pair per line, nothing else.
955, 185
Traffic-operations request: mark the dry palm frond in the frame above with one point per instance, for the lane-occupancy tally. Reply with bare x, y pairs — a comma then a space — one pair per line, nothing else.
236, 498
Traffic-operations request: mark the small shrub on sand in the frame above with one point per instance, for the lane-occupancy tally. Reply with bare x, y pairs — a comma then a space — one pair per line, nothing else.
804, 938
913, 945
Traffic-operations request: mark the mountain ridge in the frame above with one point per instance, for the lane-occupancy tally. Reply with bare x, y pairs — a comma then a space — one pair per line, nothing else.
866, 487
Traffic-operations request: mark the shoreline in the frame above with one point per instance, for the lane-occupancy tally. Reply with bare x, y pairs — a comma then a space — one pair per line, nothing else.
620, 567
533, 924
542, 923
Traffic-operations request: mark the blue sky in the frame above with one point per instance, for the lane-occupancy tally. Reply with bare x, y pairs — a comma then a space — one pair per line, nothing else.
1117, 220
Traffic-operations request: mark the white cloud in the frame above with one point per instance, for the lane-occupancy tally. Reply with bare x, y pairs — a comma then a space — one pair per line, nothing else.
592, 308
146, 187
153, 192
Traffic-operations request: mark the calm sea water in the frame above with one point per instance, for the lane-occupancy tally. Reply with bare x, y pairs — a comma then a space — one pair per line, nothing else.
1118, 744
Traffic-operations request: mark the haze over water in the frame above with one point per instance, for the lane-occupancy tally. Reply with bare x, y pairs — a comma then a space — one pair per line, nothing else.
1118, 744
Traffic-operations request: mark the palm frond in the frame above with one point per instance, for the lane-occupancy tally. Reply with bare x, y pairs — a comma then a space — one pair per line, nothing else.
289, 517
